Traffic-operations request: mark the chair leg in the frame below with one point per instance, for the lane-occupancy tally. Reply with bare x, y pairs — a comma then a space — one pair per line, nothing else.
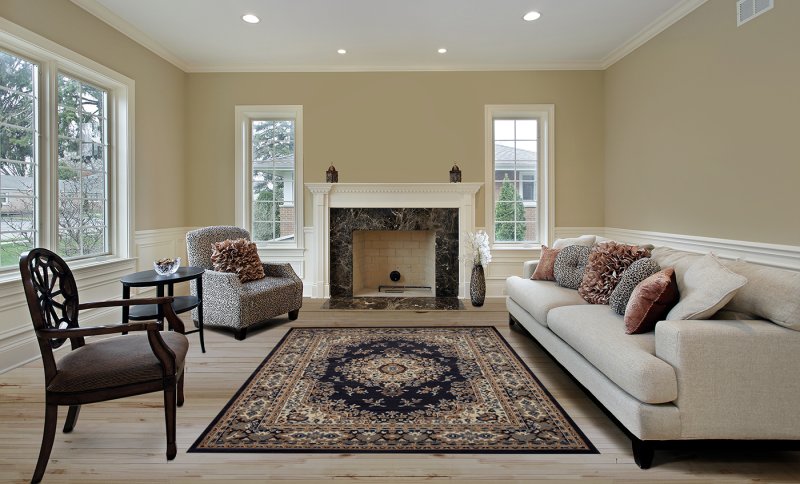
294, 314
180, 389
72, 418
240, 334
169, 417
50, 422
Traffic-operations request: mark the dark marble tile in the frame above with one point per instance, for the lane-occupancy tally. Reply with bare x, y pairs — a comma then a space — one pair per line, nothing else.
442, 221
396, 303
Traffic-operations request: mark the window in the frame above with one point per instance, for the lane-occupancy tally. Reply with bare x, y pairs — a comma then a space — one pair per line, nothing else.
518, 164
65, 143
269, 188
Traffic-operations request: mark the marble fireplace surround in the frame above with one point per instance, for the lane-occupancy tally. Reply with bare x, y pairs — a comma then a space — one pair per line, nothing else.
422, 197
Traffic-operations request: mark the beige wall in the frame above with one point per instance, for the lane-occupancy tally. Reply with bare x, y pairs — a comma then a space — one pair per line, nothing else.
403, 127
160, 102
702, 128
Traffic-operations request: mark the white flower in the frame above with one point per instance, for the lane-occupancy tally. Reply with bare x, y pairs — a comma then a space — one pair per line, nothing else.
478, 243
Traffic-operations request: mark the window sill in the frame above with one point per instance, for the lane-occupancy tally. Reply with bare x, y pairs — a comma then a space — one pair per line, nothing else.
516, 247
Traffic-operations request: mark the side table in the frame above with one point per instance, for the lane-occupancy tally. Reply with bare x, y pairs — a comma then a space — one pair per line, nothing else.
181, 304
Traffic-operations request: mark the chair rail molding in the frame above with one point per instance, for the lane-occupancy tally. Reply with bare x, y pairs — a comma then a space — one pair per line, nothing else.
383, 195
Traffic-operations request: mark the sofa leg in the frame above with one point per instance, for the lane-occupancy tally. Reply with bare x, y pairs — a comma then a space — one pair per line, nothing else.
240, 334
511, 321
642, 452
294, 314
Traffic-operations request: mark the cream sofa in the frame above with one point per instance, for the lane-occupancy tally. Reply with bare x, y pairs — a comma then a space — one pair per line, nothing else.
712, 379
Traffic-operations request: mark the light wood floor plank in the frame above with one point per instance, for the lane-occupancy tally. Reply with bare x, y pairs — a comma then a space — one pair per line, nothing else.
123, 441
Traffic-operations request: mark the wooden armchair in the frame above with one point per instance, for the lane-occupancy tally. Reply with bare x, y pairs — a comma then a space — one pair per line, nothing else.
103, 370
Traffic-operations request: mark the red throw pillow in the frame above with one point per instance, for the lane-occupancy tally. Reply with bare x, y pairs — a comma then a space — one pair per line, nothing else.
650, 302
239, 256
547, 260
604, 269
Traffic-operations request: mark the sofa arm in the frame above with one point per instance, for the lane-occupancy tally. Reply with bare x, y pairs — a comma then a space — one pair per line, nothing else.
528, 267
736, 379
272, 269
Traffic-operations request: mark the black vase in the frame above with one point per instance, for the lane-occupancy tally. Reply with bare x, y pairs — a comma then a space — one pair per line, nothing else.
477, 286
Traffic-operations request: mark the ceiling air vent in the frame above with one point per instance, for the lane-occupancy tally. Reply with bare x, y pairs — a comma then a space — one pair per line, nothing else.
747, 10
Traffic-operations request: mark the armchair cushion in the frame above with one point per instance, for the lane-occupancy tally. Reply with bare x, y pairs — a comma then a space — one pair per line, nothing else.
111, 362
239, 256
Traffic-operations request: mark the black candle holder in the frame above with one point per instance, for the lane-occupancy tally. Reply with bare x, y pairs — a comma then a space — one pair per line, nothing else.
455, 174
332, 176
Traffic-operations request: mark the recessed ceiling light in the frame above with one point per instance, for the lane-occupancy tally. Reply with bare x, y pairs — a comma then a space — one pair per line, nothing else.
342, 51
250, 18
531, 16
442, 51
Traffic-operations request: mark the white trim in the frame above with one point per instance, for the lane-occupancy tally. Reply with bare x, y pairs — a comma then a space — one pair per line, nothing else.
127, 29
243, 115
545, 167
655, 27
384, 195
584, 65
52, 58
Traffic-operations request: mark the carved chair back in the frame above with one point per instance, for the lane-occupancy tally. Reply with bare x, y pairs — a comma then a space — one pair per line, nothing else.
52, 297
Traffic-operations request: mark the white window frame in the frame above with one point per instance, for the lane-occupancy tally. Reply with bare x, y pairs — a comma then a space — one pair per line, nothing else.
53, 58
545, 179
245, 115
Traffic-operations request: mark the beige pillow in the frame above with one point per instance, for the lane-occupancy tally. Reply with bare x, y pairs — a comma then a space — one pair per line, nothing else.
707, 287
770, 293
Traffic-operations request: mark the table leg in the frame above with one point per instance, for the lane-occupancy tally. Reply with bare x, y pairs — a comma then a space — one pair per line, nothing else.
200, 312
126, 294
160, 293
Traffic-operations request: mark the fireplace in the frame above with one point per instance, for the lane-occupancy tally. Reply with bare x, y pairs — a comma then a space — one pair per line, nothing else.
339, 209
394, 263
442, 222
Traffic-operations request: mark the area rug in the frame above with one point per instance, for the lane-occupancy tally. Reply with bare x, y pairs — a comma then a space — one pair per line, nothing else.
379, 389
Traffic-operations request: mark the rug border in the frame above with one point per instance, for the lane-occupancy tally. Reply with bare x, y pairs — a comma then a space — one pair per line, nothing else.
193, 448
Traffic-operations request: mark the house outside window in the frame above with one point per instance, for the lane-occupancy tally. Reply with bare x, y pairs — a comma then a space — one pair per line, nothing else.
518, 165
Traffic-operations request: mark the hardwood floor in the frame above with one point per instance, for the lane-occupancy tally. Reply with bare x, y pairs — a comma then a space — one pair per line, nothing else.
123, 441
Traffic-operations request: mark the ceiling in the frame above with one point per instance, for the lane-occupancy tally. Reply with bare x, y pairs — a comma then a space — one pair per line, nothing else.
304, 35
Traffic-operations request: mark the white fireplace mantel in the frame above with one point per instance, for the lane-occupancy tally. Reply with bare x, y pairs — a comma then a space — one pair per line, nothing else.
386, 195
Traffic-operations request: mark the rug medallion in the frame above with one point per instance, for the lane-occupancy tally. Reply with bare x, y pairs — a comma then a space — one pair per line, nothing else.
379, 389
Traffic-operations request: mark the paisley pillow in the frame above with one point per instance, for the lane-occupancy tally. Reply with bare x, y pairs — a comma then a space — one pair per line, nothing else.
570, 265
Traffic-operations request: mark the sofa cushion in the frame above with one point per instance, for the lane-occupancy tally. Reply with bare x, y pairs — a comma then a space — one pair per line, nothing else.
583, 240
570, 265
547, 261
598, 334
707, 287
650, 301
539, 297
770, 293
633, 275
680, 260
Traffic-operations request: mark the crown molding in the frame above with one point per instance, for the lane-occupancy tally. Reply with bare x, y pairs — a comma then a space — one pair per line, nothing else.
545, 66
123, 26
657, 26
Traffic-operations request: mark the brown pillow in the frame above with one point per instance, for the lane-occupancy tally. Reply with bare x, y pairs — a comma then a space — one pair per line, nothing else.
604, 270
239, 256
544, 269
651, 301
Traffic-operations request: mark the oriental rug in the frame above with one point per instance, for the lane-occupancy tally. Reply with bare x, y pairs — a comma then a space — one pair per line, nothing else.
393, 389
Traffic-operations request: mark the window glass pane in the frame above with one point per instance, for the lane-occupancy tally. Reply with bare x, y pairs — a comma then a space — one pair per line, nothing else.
273, 157
82, 162
526, 150
504, 151
503, 129
527, 129
18, 163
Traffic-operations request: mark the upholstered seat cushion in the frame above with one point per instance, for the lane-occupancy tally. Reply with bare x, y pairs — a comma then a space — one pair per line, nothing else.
539, 297
113, 362
598, 334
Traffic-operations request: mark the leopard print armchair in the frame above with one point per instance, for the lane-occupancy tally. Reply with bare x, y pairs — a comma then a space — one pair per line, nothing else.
232, 304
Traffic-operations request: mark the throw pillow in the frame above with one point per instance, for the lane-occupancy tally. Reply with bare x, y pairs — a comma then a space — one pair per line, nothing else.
584, 240
239, 256
607, 261
570, 264
544, 269
650, 301
708, 286
631, 277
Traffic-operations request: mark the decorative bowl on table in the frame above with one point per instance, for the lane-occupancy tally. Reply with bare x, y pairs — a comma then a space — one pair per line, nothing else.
167, 266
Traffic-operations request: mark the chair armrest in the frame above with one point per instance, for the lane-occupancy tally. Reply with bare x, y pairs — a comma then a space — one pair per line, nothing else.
279, 270
730, 375
528, 267
97, 330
